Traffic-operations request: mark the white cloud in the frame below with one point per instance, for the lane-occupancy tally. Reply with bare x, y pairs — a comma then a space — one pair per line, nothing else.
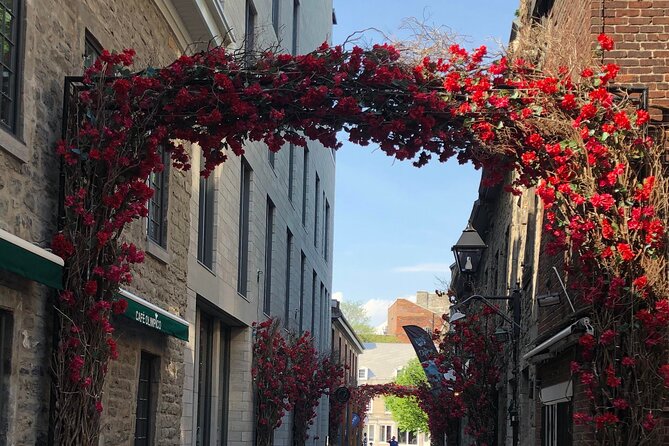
424, 268
411, 297
338, 296
377, 310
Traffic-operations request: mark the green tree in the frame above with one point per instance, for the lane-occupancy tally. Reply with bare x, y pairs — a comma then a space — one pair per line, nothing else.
406, 412
355, 314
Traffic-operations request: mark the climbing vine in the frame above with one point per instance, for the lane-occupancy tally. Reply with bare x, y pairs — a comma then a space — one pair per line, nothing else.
588, 152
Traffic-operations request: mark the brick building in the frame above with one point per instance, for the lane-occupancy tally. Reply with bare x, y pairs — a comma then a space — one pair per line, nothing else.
425, 313
346, 348
251, 241
511, 226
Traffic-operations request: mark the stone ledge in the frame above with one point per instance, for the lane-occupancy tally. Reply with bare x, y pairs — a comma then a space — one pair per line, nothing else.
12, 145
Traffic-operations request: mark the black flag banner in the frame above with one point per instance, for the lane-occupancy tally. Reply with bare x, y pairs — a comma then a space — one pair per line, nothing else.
425, 350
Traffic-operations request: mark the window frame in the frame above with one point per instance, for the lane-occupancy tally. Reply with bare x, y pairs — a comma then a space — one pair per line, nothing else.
150, 365
15, 68
6, 353
245, 184
206, 219
269, 247
160, 198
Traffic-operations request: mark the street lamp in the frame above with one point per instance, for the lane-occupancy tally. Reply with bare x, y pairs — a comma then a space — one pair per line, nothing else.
468, 253
468, 250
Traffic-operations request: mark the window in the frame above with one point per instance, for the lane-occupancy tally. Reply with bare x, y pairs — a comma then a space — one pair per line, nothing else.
271, 157
275, 17
157, 222
362, 373
213, 340
317, 194
326, 232
269, 244
92, 49
205, 231
11, 12
6, 328
291, 169
204, 375
147, 391
556, 424
407, 437
305, 179
244, 215
303, 266
289, 254
314, 279
250, 30
296, 26
370, 432
386, 433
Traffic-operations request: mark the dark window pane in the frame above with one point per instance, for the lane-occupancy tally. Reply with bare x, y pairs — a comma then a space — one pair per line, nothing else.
158, 181
6, 325
9, 58
205, 235
145, 400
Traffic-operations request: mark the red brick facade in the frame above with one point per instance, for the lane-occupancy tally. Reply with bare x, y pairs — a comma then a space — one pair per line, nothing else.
641, 31
403, 312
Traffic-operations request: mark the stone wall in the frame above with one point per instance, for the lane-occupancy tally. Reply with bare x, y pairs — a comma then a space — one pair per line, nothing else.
53, 33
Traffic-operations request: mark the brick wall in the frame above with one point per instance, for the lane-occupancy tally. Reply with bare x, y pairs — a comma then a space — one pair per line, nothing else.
403, 312
640, 30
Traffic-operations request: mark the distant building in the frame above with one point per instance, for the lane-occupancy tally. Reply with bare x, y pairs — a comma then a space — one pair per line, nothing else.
346, 347
426, 313
379, 364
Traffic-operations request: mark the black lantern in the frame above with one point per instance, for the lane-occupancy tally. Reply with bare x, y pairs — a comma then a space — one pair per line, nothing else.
468, 250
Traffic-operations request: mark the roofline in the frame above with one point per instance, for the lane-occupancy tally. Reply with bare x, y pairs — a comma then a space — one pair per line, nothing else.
338, 317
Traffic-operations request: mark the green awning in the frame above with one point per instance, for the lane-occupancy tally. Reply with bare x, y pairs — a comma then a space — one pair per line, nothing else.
22, 257
152, 316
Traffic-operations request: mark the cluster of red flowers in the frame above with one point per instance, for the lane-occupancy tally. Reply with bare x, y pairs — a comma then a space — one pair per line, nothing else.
289, 375
595, 183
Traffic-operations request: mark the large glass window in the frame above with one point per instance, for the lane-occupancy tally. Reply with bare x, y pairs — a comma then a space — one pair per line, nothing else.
6, 327
314, 301
204, 375
303, 266
250, 31
275, 17
326, 232
291, 170
147, 389
289, 255
157, 221
205, 232
296, 26
269, 245
212, 380
317, 194
10, 18
244, 215
305, 179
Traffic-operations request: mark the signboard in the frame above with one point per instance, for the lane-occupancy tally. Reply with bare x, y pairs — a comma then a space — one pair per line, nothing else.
425, 350
150, 315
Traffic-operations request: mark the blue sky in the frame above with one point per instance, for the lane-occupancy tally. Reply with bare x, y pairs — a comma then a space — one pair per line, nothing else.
394, 224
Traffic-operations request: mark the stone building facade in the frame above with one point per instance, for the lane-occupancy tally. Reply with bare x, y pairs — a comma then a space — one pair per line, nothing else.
188, 382
512, 226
